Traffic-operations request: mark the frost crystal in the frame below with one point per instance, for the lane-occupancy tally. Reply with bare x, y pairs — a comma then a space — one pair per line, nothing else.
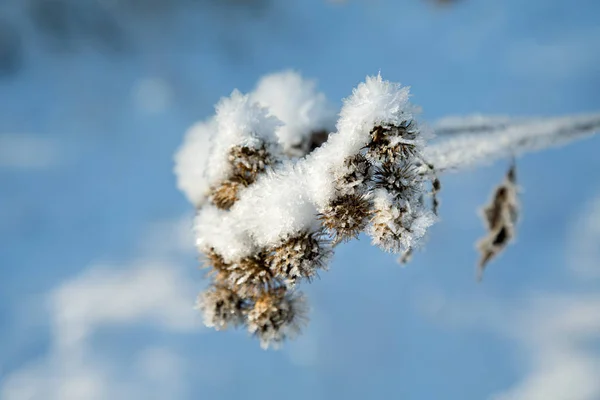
191, 162
306, 113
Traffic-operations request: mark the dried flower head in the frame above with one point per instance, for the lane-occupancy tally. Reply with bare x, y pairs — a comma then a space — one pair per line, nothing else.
277, 315
392, 143
251, 275
402, 180
500, 217
346, 216
216, 265
397, 225
248, 162
226, 194
221, 307
354, 177
300, 257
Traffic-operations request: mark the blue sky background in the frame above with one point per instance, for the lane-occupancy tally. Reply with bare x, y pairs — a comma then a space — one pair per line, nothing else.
98, 274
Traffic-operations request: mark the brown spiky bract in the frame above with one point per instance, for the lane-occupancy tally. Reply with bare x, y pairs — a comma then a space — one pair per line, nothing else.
299, 257
356, 177
500, 217
276, 315
249, 162
226, 194
392, 143
221, 307
397, 179
216, 266
346, 216
251, 275
389, 223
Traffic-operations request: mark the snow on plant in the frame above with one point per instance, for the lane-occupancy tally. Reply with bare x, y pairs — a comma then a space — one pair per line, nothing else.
277, 187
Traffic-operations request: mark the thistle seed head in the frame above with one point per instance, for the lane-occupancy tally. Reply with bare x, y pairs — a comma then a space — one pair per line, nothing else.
346, 216
216, 265
393, 143
221, 307
402, 180
354, 176
299, 257
397, 225
387, 229
251, 275
249, 162
277, 315
225, 195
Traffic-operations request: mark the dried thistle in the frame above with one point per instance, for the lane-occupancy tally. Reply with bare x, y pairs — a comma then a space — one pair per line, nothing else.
277, 315
387, 228
299, 257
346, 216
221, 307
393, 143
354, 176
402, 180
500, 217
249, 162
397, 225
225, 195
216, 265
251, 275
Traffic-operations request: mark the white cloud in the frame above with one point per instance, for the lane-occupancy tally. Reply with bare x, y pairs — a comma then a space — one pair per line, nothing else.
23, 151
554, 333
156, 373
551, 334
158, 295
146, 291
584, 242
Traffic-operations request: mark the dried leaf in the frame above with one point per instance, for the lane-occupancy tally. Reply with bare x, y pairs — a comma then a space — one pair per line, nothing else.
500, 217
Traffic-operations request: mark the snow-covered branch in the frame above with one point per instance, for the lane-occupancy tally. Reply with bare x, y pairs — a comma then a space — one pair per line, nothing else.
501, 138
273, 198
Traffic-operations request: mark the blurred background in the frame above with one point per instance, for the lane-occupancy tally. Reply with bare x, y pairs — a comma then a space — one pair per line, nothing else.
98, 274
